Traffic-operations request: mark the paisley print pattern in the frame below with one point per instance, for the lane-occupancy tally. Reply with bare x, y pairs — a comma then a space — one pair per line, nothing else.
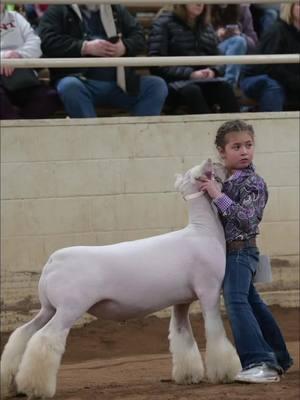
241, 207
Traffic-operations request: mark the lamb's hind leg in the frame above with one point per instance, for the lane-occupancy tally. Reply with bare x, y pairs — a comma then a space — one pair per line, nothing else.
187, 361
14, 350
39, 366
222, 361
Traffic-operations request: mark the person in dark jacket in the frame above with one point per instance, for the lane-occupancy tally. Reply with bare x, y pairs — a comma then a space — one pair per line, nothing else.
276, 87
73, 31
184, 31
234, 27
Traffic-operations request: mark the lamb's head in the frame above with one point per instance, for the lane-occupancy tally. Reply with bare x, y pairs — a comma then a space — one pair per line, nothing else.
189, 183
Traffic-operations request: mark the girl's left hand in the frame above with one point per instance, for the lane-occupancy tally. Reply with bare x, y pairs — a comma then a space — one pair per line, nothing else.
210, 186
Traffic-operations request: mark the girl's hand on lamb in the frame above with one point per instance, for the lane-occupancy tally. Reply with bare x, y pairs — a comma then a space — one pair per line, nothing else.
210, 186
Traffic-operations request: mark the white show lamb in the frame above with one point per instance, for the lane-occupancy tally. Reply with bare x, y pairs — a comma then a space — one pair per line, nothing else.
130, 280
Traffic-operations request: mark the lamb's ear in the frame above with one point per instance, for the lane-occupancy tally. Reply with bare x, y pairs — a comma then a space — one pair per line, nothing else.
178, 181
220, 172
209, 170
196, 173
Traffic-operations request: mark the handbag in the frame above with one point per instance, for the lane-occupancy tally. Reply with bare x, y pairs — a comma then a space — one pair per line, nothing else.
264, 270
22, 78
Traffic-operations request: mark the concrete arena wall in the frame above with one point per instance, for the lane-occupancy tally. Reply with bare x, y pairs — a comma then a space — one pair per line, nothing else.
93, 182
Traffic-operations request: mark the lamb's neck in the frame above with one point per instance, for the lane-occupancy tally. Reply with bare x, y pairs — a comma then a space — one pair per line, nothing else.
201, 214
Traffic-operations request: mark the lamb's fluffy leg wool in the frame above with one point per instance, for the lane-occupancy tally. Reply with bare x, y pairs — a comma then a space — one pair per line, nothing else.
222, 361
11, 359
187, 360
40, 364
14, 350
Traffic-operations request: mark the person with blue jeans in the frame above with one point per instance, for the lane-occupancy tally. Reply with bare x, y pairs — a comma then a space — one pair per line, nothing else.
235, 45
80, 96
256, 333
258, 339
275, 87
264, 16
234, 27
99, 31
268, 92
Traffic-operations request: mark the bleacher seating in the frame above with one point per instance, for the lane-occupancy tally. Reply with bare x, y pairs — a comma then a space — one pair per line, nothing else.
145, 15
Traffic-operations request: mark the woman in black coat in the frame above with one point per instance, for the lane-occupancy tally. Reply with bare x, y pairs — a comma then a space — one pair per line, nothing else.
184, 31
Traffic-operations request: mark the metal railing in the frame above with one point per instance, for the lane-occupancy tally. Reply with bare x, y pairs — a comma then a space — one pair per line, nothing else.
147, 61
142, 2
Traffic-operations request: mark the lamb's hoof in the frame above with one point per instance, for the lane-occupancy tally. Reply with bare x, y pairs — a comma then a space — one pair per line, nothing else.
11, 391
188, 378
226, 374
33, 393
34, 390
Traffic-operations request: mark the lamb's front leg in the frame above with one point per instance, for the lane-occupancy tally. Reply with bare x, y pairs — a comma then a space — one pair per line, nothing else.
187, 361
222, 361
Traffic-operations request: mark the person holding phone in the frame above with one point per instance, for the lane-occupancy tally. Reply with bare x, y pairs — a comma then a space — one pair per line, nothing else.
99, 30
234, 27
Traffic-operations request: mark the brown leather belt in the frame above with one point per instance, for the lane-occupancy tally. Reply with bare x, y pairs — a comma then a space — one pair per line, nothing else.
241, 244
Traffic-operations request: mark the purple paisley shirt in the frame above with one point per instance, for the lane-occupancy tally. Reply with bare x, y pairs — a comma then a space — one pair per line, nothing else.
241, 206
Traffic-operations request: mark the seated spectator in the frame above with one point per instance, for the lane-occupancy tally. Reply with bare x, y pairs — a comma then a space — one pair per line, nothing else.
264, 16
276, 86
99, 31
34, 13
18, 40
184, 31
234, 27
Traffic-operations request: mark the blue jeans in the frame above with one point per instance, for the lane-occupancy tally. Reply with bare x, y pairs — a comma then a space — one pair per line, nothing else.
266, 91
268, 18
256, 334
233, 46
80, 97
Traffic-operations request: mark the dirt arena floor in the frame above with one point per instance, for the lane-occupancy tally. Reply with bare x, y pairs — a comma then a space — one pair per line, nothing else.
130, 361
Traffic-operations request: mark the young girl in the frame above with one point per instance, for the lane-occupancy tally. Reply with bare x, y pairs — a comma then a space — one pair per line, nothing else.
259, 342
